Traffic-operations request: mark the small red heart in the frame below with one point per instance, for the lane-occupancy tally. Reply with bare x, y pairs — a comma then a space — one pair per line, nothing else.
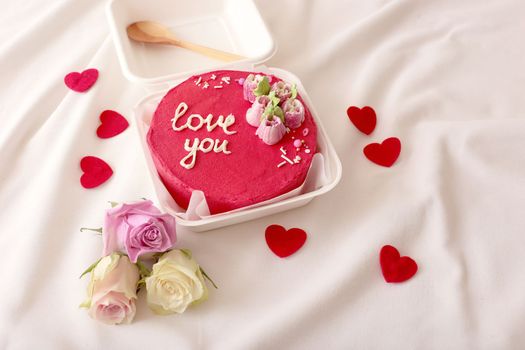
282, 242
112, 124
396, 268
364, 118
81, 82
385, 153
96, 172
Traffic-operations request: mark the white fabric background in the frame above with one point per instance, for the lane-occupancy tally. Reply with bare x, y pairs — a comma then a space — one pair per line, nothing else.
447, 77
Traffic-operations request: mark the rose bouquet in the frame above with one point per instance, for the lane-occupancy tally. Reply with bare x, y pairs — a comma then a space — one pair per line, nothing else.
135, 236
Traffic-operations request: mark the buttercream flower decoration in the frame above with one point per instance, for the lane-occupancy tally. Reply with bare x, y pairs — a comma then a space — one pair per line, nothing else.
138, 229
275, 110
272, 128
293, 110
176, 282
255, 85
283, 90
112, 289
255, 112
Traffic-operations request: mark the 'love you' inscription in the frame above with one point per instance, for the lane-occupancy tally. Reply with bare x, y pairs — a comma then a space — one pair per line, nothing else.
205, 145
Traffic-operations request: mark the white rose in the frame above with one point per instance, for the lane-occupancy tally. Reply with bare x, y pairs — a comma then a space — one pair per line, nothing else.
175, 283
112, 290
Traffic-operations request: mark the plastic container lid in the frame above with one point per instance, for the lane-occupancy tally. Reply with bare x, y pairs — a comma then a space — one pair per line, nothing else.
229, 25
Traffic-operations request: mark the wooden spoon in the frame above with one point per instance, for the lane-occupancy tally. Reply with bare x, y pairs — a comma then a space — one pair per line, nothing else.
156, 33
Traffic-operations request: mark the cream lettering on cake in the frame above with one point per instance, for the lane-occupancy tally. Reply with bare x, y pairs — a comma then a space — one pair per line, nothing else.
206, 145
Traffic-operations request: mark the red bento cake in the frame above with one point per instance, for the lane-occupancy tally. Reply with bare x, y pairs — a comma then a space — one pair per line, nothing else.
239, 137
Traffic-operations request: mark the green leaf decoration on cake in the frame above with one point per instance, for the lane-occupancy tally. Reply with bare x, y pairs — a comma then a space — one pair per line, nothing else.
263, 88
273, 111
294, 91
277, 111
274, 99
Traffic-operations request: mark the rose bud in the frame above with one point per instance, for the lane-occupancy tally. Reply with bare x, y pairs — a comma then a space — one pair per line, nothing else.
112, 290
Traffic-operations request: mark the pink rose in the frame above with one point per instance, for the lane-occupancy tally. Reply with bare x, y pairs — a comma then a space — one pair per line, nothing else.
112, 290
136, 229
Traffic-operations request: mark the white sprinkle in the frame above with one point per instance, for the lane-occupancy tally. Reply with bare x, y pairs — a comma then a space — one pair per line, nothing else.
213, 76
286, 158
198, 81
282, 150
293, 138
217, 87
307, 151
297, 149
205, 86
281, 164
226, 79
298, 157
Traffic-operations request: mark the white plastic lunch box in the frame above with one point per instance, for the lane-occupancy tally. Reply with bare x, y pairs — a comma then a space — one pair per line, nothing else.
230, 25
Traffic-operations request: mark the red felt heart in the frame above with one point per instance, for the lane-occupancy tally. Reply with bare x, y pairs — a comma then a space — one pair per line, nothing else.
81, 82
96, 172
364, 118
396, 268
282, 242
384, 153
112, 124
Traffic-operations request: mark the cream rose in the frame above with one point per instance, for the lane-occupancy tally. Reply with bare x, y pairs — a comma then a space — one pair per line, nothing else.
175, 283
112, 290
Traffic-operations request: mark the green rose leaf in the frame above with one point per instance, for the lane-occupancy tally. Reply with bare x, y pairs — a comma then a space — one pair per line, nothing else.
186, 252
85, 304
208, 278
99, 230
144, 271
90, 268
